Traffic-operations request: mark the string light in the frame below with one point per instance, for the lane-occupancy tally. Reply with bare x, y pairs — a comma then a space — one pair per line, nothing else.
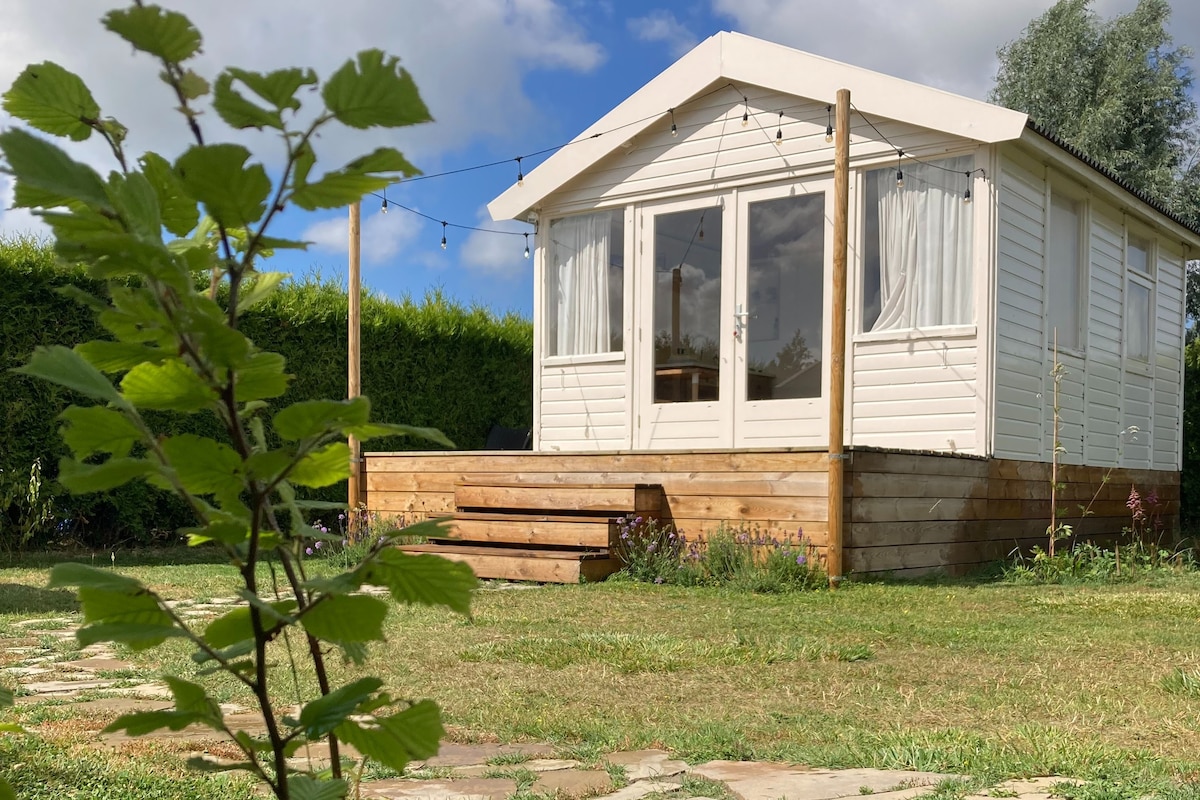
674, 130
967, 193
828, 124
779, 131
899, 171
527, 245
444, 223
520, 172
745, 111
383, 208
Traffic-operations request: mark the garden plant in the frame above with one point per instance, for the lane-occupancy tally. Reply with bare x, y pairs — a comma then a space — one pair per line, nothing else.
172, 310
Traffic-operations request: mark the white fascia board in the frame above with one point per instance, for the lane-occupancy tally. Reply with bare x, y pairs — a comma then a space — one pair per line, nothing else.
672, 87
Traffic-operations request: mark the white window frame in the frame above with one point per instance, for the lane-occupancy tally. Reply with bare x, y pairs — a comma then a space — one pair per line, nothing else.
1056, 186
547, 304
1146, 279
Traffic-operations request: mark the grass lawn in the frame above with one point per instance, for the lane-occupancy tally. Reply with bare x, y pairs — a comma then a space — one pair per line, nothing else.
986, 679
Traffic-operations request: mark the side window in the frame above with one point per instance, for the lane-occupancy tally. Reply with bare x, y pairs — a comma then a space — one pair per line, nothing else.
1065, 272
1139, 298
917, 247
585, 280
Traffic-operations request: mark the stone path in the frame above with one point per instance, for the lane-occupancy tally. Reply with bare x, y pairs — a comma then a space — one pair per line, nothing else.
100, 686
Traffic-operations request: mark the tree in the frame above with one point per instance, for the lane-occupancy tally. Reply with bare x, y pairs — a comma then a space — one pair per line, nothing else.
176, 347
1116, 89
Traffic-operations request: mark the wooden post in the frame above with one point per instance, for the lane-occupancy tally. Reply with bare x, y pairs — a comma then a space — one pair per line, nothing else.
353, 349
837, 346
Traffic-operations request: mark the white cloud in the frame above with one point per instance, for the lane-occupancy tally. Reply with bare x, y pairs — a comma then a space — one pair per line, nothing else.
384, 236
496, 254
661, 25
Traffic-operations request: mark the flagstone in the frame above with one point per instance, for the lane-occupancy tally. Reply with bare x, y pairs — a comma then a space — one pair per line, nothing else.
468, 755
642, 764
573, 783
98, 664
751, 780
471, 789
642, 788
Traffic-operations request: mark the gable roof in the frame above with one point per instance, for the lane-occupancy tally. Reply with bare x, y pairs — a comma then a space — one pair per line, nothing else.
740, 59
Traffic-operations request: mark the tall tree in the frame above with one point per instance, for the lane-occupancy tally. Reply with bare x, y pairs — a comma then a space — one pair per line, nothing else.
1117, 89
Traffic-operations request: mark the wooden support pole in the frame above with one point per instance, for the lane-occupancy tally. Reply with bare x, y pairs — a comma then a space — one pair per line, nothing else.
837, 345
354, 350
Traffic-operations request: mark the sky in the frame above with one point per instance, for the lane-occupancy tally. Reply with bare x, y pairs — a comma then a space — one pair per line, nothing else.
501, 78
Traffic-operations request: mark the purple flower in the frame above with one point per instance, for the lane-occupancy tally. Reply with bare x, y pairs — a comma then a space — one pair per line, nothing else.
637, 520
658, 579
1134, 504
324, 529
318, 545
341, 517
308, 550
345, 542
800, 559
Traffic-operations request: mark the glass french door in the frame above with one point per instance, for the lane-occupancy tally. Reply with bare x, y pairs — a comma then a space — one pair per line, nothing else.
731, 347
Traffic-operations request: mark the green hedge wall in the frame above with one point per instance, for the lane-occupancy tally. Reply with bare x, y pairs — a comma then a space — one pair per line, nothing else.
433, 363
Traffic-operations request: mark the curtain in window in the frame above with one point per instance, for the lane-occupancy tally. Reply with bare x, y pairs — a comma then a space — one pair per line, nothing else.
924, 246
579, 256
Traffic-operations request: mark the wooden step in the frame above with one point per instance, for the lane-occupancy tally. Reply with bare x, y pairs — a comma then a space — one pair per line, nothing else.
536, 529
516, 564
605, 498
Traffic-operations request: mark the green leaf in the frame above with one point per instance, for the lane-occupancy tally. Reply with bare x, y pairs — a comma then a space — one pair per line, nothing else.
84, 478
6, 697
304, 787
269, 464
424, 579
262, 378
373, 430
221, 345
118, 356
375, 91
96, 429
233, 193
229, 531
202, 764
179, 212
191, 698
53, 100
137, 204
323, 467
203, 465
317, 417
141, 723
322, 715
394, 741
11, 727
235, 626
192, 86
169, 386
237, 111
70, 573
346, 618
118, 616
65, 367
260, 288
279, 87
343, 187
168, 35
38, 164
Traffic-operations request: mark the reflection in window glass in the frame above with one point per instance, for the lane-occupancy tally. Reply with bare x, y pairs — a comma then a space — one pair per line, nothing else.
585, 270
687, 306
1137, 254
785, 297
1064, 270
1138, 325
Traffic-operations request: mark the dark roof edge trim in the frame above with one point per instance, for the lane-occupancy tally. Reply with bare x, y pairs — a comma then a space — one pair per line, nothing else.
1112, 176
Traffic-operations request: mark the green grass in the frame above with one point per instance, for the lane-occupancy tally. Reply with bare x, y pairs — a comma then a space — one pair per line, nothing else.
990, 680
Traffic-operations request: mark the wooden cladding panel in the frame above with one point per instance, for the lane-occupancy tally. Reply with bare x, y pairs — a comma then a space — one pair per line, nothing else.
575, 496
905, 512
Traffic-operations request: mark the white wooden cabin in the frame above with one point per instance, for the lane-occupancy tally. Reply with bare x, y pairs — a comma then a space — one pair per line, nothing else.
683, 311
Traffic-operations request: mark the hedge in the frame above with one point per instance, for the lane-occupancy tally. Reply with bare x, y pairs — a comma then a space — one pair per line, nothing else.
434, 363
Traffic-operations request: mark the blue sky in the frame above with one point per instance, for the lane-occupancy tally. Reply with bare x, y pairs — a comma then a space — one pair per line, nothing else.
502, 78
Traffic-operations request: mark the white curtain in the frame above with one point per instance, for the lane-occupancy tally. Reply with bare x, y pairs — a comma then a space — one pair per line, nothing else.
579, 255
924, 245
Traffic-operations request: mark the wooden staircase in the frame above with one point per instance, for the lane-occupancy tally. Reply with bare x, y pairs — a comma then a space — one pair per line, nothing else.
545, 532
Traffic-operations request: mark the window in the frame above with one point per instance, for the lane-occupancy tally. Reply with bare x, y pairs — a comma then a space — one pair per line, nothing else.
1064, 272
1139, 298
585, 280
917, 269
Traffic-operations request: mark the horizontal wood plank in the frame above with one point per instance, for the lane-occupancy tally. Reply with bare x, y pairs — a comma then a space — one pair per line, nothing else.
606, 498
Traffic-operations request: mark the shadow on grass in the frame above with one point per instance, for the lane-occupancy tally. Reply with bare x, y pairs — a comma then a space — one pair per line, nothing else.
133, 557
16, 598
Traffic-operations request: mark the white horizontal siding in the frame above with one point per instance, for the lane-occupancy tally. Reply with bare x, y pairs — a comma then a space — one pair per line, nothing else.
1168, 360
583, 407
1104, 441
918, 394
1020, 340
712, 147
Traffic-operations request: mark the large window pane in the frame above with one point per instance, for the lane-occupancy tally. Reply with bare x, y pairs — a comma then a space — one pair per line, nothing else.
917, 253
687, 306
785, 310
1063, 272
1138, 324
585, 271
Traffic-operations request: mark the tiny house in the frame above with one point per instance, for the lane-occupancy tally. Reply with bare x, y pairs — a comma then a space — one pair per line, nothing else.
1005, 299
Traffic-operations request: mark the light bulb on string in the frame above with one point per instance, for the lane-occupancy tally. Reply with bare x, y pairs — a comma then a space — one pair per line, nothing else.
383, 208
779, 131
674, 129
967, 193
745, 111
527, 245
828, 124
444, 223
520, 172
899, 170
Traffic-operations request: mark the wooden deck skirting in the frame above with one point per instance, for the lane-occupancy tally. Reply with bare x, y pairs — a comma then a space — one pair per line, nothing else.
905, 513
